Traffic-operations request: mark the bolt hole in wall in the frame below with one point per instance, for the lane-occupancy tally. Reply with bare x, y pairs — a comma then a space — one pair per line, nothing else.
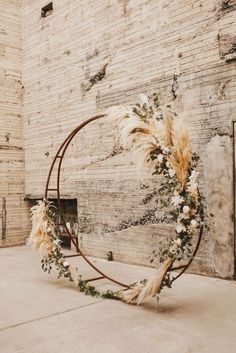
47, 10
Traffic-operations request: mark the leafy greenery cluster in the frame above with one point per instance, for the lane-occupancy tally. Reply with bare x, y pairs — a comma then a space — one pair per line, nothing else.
56, 259
183, 206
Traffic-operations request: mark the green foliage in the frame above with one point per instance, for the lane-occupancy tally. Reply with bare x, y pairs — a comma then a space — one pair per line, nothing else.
183, 205
87, 289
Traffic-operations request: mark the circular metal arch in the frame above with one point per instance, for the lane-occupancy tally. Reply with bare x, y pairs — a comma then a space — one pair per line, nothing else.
59, 156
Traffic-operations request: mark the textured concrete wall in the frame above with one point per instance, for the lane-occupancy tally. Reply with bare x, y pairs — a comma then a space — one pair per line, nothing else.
14, 220
84, 58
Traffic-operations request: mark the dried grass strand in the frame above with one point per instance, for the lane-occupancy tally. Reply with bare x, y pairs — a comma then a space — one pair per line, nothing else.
181, 157
39, 238
140, 293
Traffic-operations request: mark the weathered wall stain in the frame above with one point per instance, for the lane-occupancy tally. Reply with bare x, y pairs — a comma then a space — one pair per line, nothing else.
93, 54
125, 6
227, 44
227, 5
99, 76
174, 86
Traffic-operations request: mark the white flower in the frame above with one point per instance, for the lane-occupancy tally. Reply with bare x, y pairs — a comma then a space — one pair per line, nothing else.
176, 200
166, 150
178, 241
194, 223
65, 264
186, 209
180, 228
192, 186
143, 99
181, 217
171, 172
49, 229
160, 158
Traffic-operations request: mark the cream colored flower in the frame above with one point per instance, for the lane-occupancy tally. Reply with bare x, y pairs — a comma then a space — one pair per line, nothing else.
192, 186
160, 158
186, 209
194, 223
166, 150
178, 241
171, 173
180, 228
193, 189
176, 200
182, 216
66, 264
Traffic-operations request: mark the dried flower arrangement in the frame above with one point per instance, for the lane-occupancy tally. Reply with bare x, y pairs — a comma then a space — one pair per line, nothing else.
161, 141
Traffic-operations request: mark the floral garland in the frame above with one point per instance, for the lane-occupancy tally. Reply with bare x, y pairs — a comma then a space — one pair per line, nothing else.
161, 140
44, 239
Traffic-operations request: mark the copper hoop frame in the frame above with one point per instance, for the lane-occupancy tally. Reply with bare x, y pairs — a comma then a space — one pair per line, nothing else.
74, 240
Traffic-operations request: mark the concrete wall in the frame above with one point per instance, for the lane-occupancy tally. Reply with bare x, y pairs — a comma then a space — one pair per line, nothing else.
14, 220
86, 56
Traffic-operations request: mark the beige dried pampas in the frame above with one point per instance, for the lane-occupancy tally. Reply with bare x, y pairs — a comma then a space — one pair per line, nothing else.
181, 157
118, 113
148, 136
41, 223
168, 130
130, 296
143, 137
140, 293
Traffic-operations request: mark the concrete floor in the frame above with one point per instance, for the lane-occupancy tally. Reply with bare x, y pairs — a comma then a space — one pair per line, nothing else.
39, 314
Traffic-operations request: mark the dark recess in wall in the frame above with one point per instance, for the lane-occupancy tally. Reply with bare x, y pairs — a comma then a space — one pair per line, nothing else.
69, 216
47, 10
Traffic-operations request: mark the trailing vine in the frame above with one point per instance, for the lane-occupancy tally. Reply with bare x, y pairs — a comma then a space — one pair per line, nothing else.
161, 141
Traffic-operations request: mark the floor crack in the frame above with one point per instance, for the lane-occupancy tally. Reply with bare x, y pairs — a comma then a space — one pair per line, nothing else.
48, 316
